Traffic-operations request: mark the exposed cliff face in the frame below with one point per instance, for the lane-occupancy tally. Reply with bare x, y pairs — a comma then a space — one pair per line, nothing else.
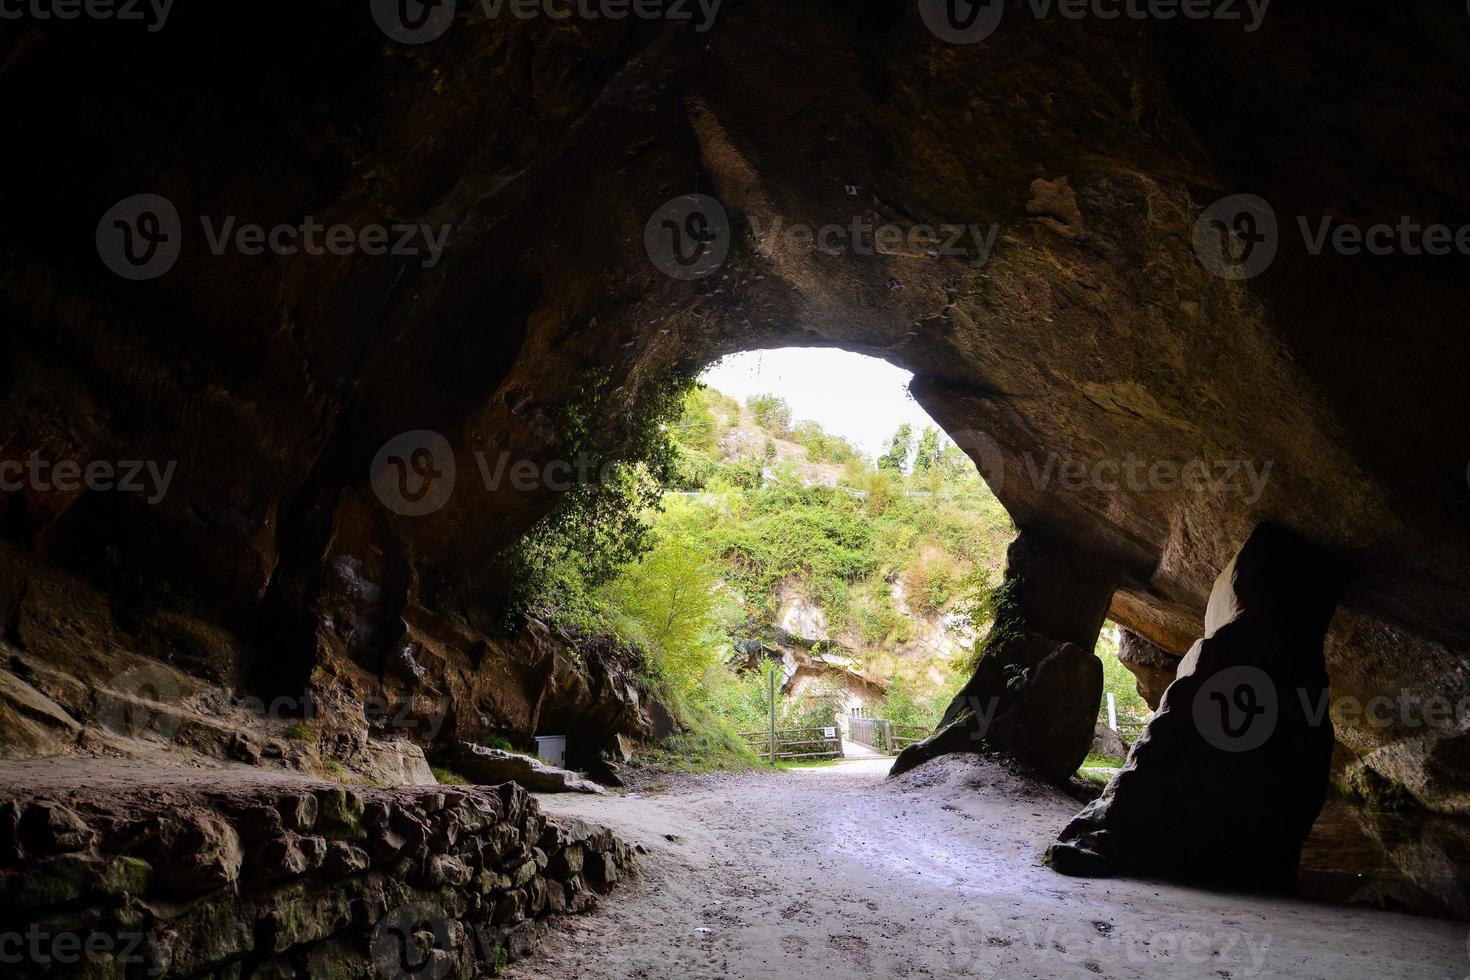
1093, 332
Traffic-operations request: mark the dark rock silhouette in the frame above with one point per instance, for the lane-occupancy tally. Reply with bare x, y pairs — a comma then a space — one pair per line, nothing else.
1224, 785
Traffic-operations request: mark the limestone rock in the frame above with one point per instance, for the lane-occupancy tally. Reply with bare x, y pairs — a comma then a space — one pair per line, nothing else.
50, 828
339, 814
1053, 724
343, 859
1152, 667
1108, 743
298, 811
488, 766
193, 852
32, 724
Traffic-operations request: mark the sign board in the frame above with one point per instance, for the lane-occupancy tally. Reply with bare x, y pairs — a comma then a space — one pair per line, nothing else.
829, 733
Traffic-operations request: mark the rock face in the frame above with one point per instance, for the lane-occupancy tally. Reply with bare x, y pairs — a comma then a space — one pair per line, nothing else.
1225, 783
79, 676
1154, 669
293, 880
1037, 686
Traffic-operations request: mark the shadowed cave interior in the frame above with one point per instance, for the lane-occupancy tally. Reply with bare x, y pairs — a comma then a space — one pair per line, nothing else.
273, 569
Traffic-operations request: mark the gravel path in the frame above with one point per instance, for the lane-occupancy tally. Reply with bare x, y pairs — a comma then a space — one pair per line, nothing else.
837, 872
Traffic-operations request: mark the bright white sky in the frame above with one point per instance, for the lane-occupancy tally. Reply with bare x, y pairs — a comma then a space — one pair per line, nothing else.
861, 398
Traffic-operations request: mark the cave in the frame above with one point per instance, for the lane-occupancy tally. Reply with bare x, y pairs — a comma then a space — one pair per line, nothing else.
286, 282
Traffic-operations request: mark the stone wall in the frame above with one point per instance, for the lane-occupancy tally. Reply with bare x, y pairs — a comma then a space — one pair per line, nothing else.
288, 879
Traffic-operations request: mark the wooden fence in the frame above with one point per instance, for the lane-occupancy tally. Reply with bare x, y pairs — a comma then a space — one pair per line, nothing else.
797, 743
884, 735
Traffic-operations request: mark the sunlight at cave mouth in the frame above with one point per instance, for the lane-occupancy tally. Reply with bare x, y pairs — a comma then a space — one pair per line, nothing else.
855, 396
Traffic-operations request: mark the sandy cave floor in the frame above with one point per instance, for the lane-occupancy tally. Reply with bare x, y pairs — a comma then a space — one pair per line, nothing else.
837, 872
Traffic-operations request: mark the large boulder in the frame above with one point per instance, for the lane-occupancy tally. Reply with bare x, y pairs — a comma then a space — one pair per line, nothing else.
1225, 783
1108, 744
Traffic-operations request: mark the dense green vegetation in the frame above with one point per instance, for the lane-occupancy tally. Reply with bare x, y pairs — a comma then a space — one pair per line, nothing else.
744, 514
1118, 680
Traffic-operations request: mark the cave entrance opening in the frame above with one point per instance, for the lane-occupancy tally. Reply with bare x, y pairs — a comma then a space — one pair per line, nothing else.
844, 539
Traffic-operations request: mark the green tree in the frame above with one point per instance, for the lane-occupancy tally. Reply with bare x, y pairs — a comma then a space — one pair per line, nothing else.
897, 457
927, 456
955, 465
695, 428
669, 603
771, 412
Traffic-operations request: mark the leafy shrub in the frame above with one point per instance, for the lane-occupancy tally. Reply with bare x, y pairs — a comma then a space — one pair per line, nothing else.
771, 413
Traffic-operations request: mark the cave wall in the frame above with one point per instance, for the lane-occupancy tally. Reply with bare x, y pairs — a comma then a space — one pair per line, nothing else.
1092, 332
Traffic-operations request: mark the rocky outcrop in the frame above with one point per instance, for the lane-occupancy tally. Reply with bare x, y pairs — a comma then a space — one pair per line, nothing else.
290, 879
1037, 686
1108, 743
1225, 783
485, 765
79, 676
1154, 669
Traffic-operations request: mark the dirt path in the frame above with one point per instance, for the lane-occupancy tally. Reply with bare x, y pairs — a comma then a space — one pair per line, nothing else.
835, 872
857, 750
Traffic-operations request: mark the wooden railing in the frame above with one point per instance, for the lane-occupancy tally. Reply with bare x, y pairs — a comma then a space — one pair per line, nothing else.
797, 743
901, 737
884, 735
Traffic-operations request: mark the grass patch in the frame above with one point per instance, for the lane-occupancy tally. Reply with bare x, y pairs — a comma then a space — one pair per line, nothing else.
448, 777
708, 746
1102, 762
299, 732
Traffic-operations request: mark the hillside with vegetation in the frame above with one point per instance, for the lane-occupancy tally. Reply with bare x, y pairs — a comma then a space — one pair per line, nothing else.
757, 531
